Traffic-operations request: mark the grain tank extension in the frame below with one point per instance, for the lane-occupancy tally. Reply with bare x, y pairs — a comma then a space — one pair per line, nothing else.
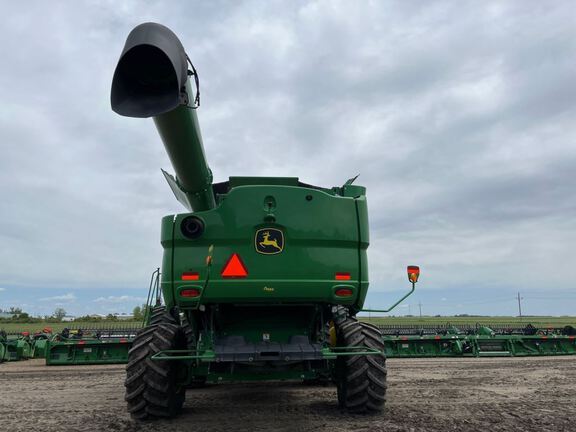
262, 277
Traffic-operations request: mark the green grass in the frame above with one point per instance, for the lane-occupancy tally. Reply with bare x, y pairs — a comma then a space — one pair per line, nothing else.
57, 327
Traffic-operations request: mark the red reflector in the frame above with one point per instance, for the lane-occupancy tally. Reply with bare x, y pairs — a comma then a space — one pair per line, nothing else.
234, 268
437, 337
190, 276
81, 342
123, 340
344, 292
190, 292
342, 276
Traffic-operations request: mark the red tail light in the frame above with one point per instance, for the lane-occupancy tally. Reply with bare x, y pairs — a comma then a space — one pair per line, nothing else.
193, 292
344, 292
234, 268
342, 276
190, 276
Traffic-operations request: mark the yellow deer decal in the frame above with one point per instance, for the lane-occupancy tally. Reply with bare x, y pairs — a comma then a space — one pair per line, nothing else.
268, 242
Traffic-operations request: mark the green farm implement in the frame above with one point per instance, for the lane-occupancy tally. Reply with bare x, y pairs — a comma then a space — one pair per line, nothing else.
262, 277
88, 351
89, 346
14, 347
478, 341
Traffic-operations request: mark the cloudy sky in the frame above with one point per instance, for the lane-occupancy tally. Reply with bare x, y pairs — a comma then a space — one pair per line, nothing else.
459, 117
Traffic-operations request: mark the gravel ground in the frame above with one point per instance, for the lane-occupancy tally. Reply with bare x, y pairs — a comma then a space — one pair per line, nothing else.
500, 394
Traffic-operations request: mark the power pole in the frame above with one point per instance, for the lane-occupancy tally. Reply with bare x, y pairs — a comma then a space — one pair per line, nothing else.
420, 306
519, 306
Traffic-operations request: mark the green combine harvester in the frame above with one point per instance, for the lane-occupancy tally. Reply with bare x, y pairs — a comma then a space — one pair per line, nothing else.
262, 278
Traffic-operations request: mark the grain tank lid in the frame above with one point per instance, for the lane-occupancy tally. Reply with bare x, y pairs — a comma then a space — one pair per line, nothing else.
267, 181
225, 187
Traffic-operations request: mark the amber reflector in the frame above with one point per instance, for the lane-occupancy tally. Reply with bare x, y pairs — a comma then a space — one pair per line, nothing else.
413, 273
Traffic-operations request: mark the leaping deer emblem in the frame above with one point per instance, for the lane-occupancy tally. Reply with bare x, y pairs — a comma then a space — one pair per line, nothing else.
267, 242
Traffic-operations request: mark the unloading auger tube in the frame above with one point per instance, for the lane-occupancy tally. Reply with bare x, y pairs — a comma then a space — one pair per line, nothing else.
152, 79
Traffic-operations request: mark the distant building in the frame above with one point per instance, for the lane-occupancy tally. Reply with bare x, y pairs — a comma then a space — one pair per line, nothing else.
68, 318
124, 316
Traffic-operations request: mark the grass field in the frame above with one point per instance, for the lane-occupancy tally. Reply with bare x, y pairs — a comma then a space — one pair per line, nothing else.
541, 322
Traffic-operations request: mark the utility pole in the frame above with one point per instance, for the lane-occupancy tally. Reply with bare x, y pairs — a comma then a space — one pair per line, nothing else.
519, 305
420, 306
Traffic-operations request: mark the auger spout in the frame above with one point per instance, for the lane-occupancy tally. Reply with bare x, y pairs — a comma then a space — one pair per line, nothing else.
152, 80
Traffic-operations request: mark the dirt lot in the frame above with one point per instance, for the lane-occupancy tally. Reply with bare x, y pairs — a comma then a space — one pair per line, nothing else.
511, 394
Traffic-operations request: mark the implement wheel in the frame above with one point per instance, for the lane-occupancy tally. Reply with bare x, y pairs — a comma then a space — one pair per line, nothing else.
361, 379
152, 388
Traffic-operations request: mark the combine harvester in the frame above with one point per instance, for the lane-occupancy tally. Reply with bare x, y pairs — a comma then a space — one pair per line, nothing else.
262, 277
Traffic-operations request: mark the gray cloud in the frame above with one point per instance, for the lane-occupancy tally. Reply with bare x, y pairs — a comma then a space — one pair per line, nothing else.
457, 115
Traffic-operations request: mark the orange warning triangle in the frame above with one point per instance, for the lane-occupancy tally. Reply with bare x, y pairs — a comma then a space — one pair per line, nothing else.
234, 268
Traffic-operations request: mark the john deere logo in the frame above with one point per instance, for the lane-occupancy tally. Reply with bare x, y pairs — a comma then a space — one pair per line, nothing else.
269, 241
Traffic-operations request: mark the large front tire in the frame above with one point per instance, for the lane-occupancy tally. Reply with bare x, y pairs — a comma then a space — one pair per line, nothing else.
152, 387
361, 379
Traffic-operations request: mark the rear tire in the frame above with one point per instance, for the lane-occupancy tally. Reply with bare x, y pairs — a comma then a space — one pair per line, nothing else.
159, 314
152, 388
361, 379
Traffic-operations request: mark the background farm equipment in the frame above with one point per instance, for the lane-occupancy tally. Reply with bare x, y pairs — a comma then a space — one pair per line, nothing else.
14, 347
90, 346
477, 341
